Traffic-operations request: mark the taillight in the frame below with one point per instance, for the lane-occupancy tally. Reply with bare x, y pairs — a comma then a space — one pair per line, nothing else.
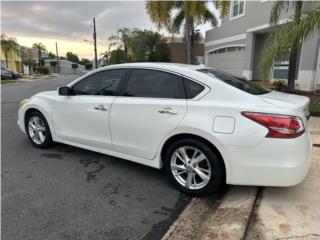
279, 126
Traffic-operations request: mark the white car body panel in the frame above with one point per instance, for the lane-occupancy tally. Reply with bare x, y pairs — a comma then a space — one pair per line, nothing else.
133, 129
76, 120
132, 134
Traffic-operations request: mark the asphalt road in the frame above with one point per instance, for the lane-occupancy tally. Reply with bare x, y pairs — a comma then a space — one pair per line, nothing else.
69, 193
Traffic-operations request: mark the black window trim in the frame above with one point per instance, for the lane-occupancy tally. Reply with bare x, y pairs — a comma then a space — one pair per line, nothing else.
182, 91
187, 90
124, 77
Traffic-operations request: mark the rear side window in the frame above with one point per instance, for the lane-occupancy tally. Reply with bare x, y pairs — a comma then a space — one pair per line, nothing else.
192, 88
153, 84
239, 83
100, 83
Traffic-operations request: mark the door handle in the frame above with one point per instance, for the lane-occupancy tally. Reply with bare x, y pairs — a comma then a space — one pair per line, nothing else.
168, 110
101, 107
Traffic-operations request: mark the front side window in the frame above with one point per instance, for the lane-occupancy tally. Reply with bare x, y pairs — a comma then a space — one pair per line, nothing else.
237, 8
100, 83
153, 84
235, 81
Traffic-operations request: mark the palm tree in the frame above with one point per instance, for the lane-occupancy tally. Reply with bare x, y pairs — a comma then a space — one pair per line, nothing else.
287, 39
8, 45
27, 59
105, 56
40, 47
121, 40
172, 15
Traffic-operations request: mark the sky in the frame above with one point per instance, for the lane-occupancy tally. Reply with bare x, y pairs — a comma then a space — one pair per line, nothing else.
69, 23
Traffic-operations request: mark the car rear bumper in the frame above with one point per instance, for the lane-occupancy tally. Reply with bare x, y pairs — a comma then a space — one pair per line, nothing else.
273, 162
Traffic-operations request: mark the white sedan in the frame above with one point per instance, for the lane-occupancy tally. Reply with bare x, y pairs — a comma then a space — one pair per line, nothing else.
206, 127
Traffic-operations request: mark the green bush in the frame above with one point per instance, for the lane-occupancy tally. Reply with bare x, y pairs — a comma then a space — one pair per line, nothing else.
279, 85
74, 66
43, 70
88, 66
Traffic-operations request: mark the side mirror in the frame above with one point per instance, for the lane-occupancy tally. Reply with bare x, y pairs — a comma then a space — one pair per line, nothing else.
64, 91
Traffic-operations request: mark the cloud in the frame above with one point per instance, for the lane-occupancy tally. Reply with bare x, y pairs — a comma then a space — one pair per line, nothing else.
71, 20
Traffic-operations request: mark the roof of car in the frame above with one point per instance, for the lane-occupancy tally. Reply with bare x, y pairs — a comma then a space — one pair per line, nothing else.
158, 65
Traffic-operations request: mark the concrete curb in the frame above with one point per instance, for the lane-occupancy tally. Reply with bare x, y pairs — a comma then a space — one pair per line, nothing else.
314, 128
188, 224
216, 218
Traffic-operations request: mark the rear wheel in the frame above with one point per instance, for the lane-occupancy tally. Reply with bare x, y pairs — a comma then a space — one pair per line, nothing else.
38, 130
194, 168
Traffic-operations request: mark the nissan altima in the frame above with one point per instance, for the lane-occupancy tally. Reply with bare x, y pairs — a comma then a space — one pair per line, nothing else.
204, 126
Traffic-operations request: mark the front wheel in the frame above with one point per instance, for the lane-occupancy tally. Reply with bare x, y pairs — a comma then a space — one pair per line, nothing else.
38, 130
194, 168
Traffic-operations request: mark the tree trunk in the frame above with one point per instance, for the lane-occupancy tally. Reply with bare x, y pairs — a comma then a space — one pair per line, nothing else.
125, 53
294, 49
7, 63
188, 40
39, 56
192, 42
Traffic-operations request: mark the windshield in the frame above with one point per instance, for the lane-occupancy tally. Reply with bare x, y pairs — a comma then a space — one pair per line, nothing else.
235, 81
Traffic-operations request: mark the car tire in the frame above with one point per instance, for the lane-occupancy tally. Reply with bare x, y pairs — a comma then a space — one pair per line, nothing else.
185, 175
38, 130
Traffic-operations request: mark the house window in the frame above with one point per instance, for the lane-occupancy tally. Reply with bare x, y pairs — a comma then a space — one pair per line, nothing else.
281, 67
228, 49
237, 9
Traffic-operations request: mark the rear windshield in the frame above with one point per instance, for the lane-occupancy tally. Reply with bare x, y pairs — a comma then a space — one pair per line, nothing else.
235, 81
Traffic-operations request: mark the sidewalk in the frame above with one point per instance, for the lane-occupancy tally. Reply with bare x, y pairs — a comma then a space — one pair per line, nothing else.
253, 213
293, 212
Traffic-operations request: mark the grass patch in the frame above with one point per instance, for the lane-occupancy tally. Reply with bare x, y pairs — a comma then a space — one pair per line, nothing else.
8, 81
39, 76
314, 107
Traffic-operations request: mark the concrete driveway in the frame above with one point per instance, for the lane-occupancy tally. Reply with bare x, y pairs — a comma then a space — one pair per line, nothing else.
69, 193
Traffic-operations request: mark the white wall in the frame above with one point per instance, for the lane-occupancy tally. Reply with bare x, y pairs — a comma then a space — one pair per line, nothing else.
65, 67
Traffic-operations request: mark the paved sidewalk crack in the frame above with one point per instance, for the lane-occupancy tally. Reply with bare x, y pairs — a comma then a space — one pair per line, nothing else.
256, 205
299, 236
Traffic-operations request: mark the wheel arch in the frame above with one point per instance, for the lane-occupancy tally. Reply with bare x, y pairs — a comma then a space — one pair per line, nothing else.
43, 112
30, 110
205, 141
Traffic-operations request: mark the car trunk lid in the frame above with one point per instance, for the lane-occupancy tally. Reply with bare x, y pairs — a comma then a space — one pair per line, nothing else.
300, 104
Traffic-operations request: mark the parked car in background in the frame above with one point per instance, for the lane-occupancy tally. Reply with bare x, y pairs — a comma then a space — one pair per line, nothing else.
206, 127
16, 75
5, 73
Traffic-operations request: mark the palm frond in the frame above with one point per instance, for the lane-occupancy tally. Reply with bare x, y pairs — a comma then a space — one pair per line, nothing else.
194, 9
8, 45
278, 8
223, 6
160, 12
210, 17
177, 22
282, 39
309, 23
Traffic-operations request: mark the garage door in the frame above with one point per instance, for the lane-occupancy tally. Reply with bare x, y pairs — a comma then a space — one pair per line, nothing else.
231, 62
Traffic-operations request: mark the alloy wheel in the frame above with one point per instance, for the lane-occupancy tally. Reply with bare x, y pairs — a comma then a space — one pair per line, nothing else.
37, 129
190, 167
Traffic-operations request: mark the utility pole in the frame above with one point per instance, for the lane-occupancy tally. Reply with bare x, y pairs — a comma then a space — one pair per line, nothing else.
57, 56
95, 43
